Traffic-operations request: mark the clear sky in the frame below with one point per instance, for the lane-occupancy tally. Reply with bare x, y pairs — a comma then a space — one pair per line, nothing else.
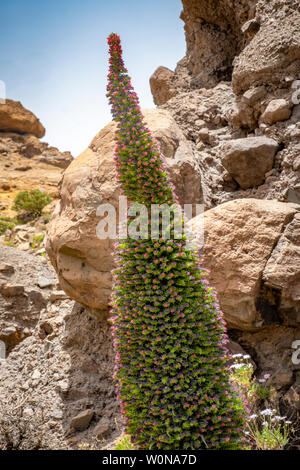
53, 58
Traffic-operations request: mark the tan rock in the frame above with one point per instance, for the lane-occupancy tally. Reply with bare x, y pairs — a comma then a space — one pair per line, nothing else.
248, 160
15, 118
239, 239
254, 94
161, 85
277, 110
84, 262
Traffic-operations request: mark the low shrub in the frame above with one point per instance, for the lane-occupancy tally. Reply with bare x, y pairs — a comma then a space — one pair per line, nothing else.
31, 203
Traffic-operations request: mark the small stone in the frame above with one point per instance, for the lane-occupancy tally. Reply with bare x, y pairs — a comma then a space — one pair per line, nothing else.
277, 110
254, 94
6, 268
44, 282
63, 386
36, 375
293, 194
82, 420
203, 134
282, 378
24, 246
2, 350
250, 27
56, 414
200, 123
24, 386
28, 413
10, 330
102, 428
57, 295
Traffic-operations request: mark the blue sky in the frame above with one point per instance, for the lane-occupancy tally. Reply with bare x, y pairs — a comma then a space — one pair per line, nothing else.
53, 58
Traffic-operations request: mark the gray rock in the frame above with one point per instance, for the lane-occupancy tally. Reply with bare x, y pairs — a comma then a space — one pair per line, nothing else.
2, 350
102, 428
82, 420
6, 268
44, 282
56, 414
248, 160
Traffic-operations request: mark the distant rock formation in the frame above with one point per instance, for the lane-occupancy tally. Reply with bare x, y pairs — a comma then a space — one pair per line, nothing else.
26, 162
15, 118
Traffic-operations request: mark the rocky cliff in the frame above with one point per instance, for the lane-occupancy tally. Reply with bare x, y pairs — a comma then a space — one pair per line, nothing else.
228, 122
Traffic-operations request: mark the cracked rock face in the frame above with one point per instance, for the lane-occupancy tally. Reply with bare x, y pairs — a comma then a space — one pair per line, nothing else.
83, 261
251, 249
56, 385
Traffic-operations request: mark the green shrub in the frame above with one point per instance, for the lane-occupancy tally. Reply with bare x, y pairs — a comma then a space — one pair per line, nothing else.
37, 241
5, 224
31, 202
169, 333
124, 443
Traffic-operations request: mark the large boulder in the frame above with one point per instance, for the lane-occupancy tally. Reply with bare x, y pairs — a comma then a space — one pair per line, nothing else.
248, 160
252, 250
15, 118
83, 261
161, 85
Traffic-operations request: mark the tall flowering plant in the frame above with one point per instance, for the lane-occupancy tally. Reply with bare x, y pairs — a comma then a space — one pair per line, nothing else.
169, 333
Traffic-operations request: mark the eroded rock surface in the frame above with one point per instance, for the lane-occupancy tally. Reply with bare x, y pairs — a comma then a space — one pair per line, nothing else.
56, 379
251, 249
